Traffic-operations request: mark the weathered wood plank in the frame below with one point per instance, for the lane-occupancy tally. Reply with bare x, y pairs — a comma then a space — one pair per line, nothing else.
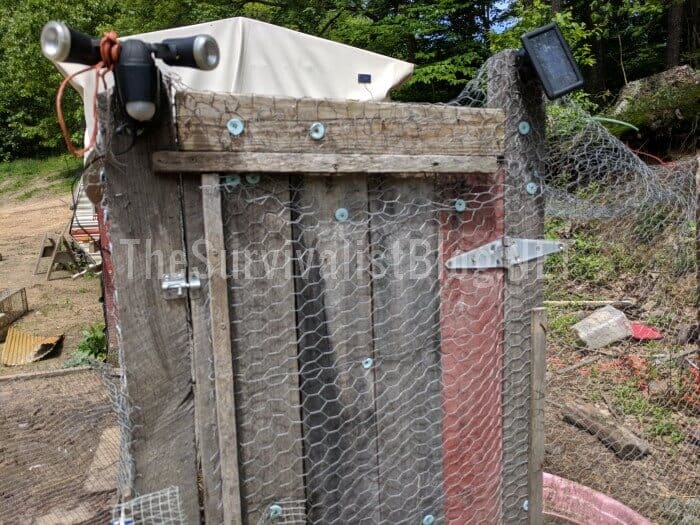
538, 370
145, 219
221, 345
282, 125
406, 312
471, 328
323, 163
257, 227
206, 427
334, 319
524, 217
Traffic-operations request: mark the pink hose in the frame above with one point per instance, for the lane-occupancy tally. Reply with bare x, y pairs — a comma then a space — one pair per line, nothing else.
582, 505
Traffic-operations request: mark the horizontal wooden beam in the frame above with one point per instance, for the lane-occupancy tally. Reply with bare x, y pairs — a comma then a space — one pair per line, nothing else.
282, 125
241, 162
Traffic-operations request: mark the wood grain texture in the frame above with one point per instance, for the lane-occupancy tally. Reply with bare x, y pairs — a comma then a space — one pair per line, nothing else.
257, 229
524, 217
334, 319
221, 349
155, 345
322, 163
406, 310
538, 369
471, 329
281, 125
206, 427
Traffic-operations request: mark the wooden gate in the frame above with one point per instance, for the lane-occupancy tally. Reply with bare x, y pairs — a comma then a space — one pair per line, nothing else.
330, 368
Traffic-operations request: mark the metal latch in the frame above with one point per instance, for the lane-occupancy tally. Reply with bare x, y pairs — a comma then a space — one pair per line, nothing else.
504, 253
174, 285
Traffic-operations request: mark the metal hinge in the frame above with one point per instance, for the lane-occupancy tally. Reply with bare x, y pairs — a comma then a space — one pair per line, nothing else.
174, 285
504, 253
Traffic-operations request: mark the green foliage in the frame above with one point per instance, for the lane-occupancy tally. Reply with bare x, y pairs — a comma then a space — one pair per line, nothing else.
538, 13
25, 177
92, 347
657, 420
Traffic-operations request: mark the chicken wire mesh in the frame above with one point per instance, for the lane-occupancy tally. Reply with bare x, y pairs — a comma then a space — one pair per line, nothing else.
13, 305
60, 449
621, 418
373, 384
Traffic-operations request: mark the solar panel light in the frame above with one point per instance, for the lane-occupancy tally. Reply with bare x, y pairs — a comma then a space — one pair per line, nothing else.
549, 54
136, 76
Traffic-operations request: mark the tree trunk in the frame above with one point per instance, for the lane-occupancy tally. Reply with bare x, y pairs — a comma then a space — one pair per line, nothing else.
673, 46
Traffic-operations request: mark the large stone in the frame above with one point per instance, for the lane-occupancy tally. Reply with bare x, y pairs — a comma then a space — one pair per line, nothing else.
653, 101
603, 327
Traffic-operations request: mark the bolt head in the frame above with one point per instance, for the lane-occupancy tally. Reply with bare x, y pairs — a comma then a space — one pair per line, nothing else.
252, 179
367, 363
428, 519
275, 511
526, 505
317, 131
460, 205
232, 181
523, 127
532, 188
341, 215
235, 127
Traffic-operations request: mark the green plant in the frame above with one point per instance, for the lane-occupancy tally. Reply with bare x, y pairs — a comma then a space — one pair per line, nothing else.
656, 420
92, 347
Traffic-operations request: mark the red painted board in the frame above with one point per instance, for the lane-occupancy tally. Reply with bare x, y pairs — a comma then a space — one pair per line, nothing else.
471, 326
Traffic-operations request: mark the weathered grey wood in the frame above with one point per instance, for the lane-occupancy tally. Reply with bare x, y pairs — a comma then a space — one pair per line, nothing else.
405, 297
281, 125
602, 425
221, 345
334, 318
322, 163
257, 230
206, 427
145, 217
538, 369
524, 217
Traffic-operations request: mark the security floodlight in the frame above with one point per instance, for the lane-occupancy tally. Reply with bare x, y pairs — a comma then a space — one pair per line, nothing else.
551, 57
136, 76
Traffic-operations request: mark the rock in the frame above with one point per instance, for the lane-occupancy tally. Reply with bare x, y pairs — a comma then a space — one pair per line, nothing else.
658, 388
654, 96
687, 333
604, 326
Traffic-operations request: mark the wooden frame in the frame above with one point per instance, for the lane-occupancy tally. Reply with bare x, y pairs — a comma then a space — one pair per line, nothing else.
185, 368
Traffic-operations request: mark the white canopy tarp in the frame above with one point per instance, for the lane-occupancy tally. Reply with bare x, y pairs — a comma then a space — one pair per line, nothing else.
264, 59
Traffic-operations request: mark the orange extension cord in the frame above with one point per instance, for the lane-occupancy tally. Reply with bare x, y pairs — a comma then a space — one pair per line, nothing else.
109, 54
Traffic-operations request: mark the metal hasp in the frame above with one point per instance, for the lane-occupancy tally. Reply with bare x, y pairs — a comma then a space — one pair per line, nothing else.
504, 253
175, 284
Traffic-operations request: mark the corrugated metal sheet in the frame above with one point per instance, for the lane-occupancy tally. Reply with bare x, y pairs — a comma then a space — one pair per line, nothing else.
85, 217
22, 348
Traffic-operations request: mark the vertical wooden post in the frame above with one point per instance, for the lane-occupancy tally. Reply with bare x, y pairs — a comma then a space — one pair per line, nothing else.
523, 105
206, 428
471, 329
221, 344
538, 366
154, 339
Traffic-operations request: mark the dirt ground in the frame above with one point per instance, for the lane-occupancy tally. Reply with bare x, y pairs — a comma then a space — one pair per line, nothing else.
60, 306
58, 451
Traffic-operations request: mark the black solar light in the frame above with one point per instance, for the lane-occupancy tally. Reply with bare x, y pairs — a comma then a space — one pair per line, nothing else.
136, 76
549, 54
